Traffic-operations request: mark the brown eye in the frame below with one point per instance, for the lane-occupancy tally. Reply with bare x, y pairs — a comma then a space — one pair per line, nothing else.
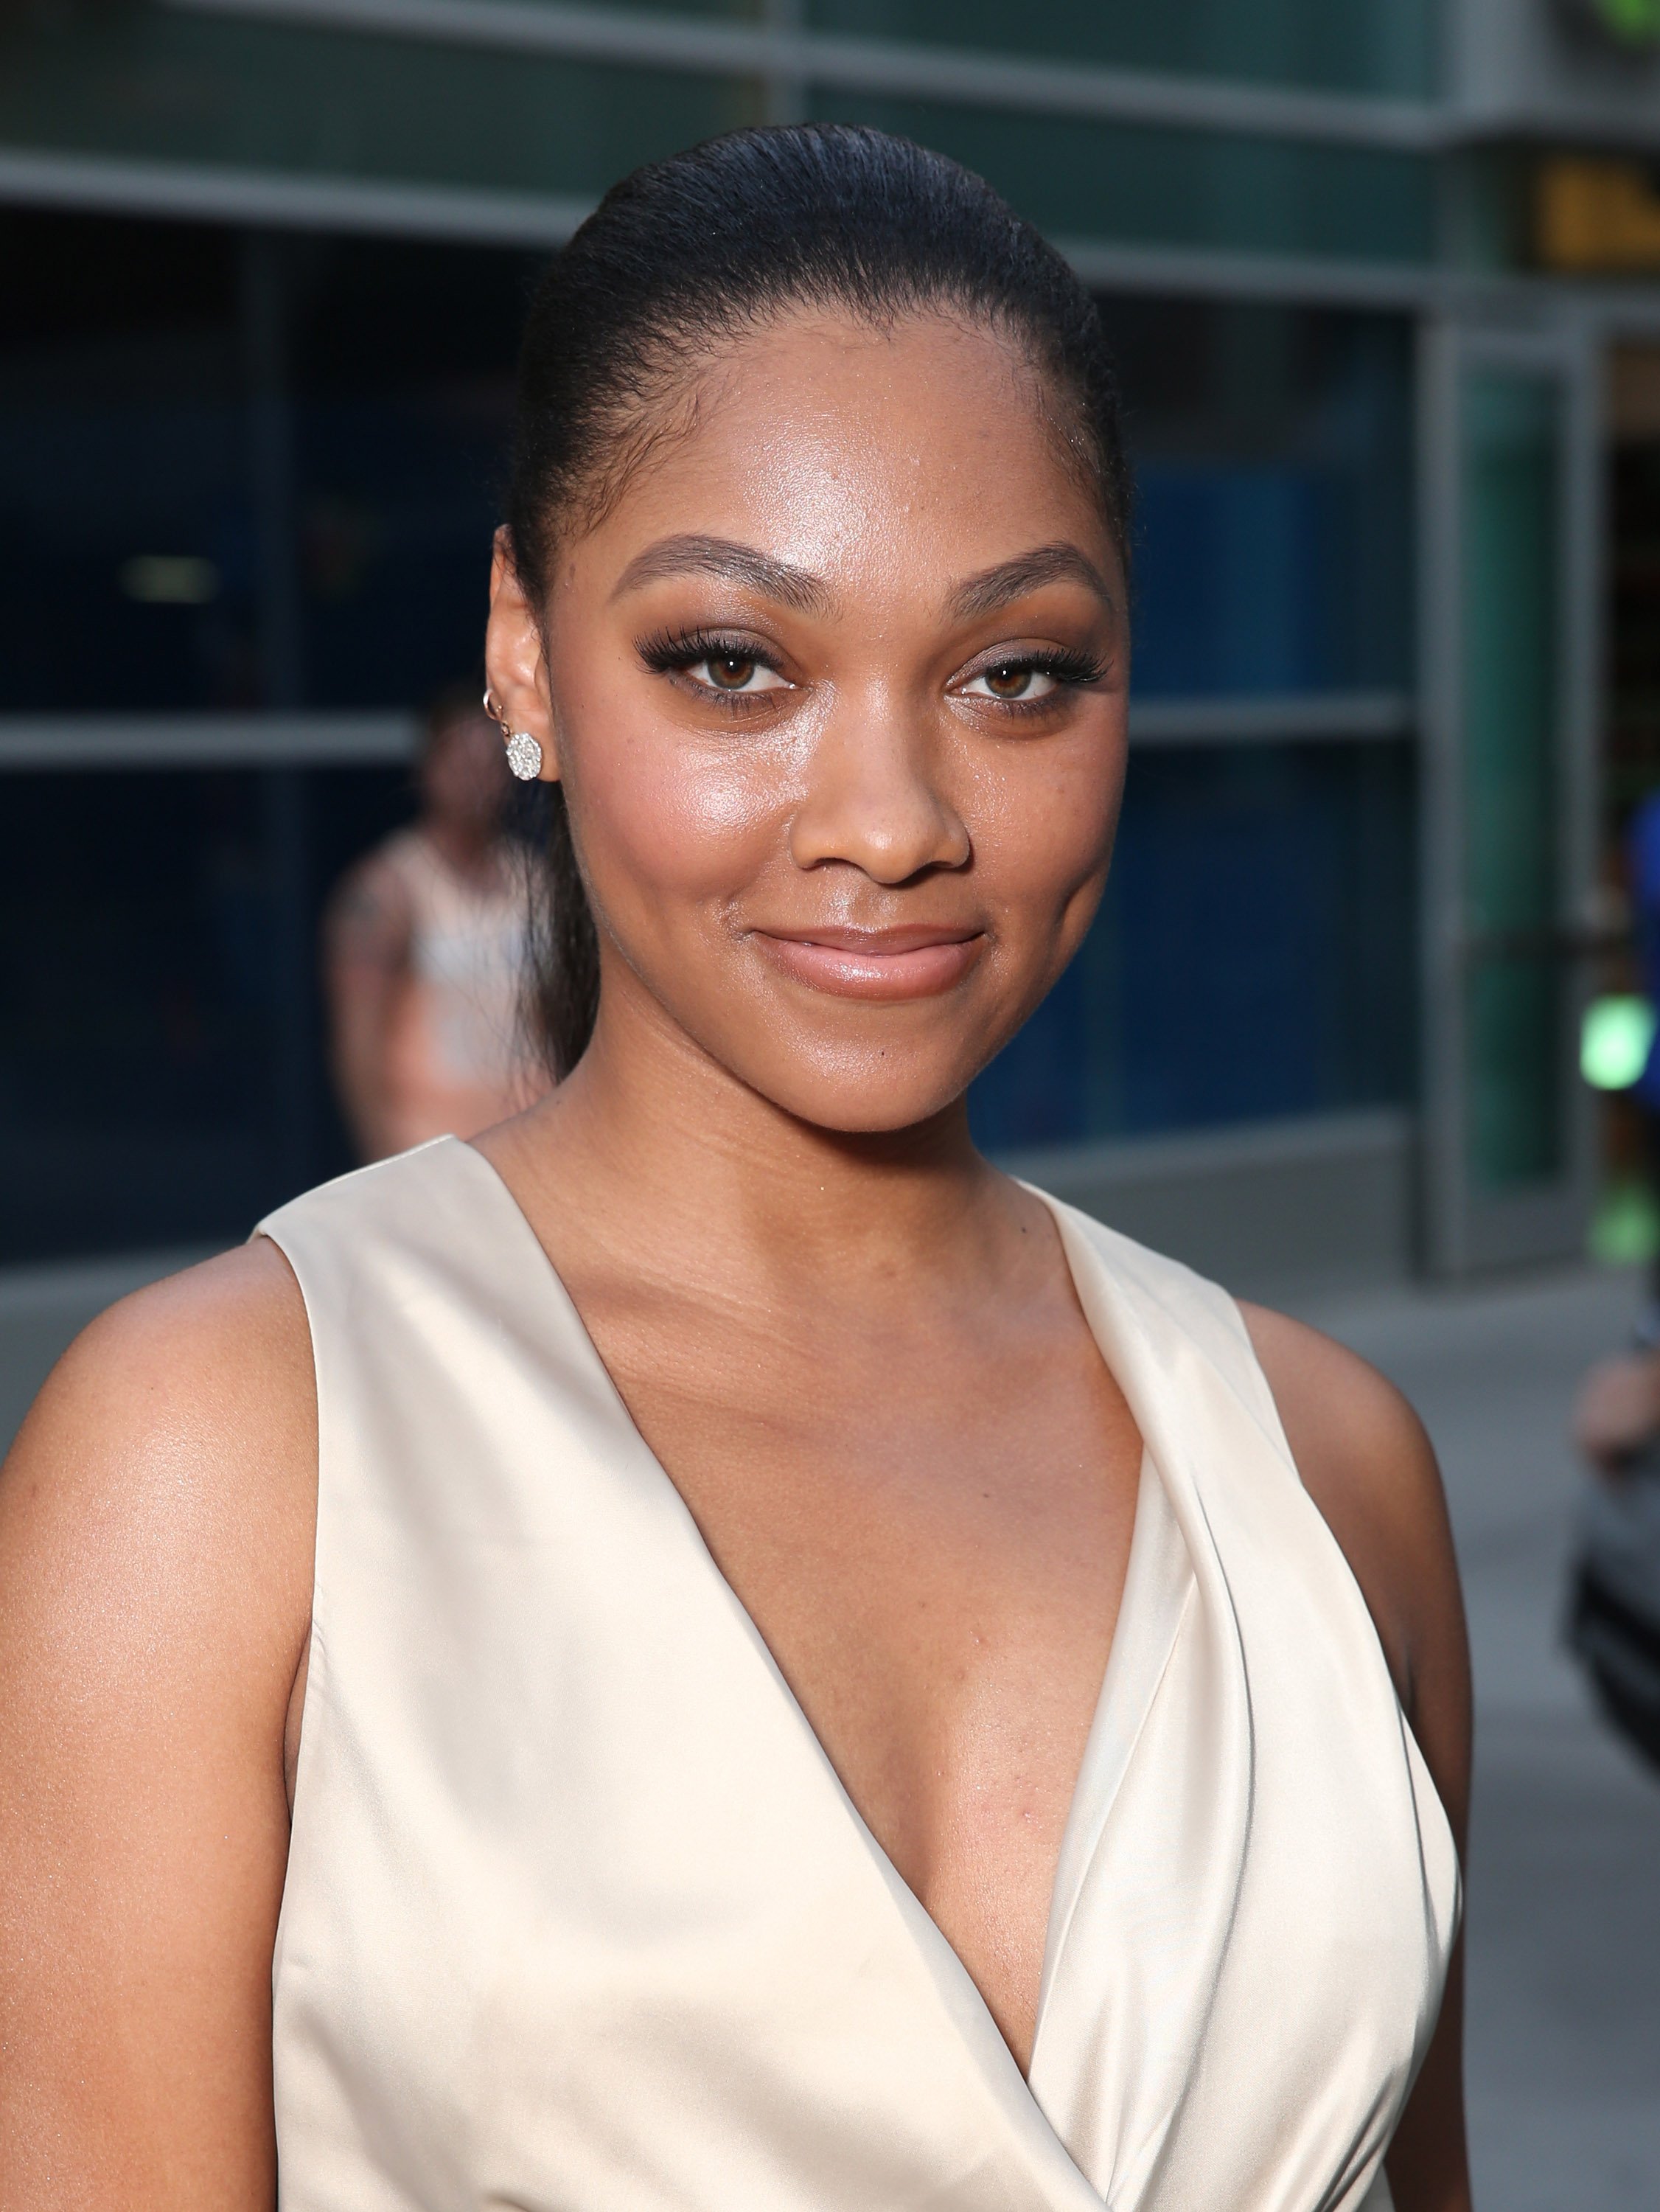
735, 673
1016, 682
728, 672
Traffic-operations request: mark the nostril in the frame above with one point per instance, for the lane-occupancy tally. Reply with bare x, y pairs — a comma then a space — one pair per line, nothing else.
890, 836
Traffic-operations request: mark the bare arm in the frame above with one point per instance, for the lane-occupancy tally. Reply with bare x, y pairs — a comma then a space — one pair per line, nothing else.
1617, 1413
1369, 1467
156, 1524
366, 961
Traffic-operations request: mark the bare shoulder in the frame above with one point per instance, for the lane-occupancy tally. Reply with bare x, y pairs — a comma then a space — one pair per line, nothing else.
156, 1524
1351, 1431
165, 1481
1368, 1463
210, 1369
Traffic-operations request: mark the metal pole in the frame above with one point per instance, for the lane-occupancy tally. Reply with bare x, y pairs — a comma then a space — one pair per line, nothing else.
272, 475
1444, 1226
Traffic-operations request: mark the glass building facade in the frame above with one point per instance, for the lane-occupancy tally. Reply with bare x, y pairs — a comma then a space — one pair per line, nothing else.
265, 274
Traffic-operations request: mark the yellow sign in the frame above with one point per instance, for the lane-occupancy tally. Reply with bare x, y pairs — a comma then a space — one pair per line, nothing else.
1597, 215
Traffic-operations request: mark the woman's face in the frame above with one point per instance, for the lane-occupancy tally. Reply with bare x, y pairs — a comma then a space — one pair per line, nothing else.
837, 691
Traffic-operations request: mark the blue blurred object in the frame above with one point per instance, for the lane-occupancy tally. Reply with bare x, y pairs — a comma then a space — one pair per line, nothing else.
1643, 852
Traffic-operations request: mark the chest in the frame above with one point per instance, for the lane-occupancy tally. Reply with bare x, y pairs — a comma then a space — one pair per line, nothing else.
931, 1537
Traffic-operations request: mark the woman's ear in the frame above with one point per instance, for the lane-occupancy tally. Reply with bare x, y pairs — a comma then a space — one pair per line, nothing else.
515, 664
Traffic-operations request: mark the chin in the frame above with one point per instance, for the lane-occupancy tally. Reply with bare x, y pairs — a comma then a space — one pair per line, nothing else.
868, 1095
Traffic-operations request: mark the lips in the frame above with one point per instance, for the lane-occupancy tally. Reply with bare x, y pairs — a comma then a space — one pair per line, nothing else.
917, 960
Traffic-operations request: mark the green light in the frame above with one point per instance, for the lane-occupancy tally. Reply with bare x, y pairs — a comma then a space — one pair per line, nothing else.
1613, 1044
1633, 22
1625, 1230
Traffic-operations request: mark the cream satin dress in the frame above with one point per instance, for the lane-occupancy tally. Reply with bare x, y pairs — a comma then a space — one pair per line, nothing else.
579, 1917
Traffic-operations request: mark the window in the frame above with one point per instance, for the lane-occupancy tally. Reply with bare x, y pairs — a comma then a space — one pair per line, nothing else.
1362, 46
1254, 955
127, 554
160, 1070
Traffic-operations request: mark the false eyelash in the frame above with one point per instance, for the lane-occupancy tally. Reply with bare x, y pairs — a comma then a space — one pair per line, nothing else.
669, 649
1065, 665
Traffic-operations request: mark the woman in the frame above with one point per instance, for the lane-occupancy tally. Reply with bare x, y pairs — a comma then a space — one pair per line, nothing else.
426, 952
804, 1674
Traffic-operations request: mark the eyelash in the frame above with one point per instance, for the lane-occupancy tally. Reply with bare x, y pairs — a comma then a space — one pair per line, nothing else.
676, 651
683, 649
1072, 670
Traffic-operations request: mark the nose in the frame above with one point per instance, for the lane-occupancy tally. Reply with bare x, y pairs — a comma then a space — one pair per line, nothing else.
874, 798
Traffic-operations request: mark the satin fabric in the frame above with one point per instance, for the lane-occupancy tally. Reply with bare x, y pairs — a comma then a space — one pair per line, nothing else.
579, 1917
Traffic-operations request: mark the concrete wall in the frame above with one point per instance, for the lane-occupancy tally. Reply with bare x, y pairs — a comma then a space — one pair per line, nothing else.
1304, 1205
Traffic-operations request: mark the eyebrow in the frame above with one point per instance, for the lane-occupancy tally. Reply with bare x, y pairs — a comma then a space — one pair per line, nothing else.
1061, 563
694, 555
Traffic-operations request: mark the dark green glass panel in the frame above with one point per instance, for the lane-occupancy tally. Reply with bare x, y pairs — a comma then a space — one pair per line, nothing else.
1083, 179
708, 11
196, 88
1351, 46
1518, 1034
1515, 1004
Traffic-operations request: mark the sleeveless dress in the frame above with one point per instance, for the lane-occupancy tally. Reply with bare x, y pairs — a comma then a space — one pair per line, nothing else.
578, 1917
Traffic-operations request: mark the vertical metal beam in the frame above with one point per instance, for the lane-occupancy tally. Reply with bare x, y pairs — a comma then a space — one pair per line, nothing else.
271, 458
272, 472
1466, 1226
1444, 1226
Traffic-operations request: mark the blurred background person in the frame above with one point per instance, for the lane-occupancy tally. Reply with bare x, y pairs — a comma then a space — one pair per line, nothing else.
425, 945
1613, 1600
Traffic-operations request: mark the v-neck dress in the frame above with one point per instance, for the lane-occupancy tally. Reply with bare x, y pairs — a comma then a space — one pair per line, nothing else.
578, 1917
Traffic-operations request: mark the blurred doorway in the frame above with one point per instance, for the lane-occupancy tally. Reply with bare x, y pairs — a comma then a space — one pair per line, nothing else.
1509, 634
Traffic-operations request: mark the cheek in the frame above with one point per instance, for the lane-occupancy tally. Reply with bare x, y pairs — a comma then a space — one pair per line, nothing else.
1043, 837
667, 814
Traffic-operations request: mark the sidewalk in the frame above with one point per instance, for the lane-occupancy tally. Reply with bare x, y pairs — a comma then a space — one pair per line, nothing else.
1564, 2039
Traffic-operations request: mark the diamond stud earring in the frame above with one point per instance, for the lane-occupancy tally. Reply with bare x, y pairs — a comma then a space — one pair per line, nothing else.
524, 753
523, 756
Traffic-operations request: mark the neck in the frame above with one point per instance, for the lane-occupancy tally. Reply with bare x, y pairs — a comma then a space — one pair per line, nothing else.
689, 1159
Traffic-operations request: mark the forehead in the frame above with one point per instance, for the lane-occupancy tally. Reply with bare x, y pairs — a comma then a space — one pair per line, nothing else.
860, 453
